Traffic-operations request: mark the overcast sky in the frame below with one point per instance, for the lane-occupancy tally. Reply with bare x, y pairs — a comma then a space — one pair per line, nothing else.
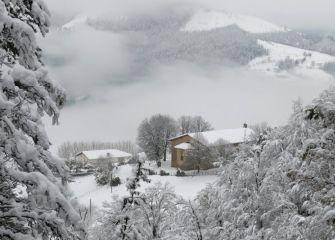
97, 60
309, 14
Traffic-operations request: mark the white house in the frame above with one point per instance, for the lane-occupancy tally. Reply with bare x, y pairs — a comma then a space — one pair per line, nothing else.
103, 157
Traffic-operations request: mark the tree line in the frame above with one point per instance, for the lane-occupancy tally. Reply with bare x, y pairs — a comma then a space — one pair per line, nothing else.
152, 138
68, 150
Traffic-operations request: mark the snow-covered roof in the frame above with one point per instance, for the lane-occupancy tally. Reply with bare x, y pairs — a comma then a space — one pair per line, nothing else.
236, 135
107, 153
184, 146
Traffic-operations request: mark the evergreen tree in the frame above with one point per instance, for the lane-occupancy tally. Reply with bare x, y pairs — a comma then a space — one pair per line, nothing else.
43, 211
120, 220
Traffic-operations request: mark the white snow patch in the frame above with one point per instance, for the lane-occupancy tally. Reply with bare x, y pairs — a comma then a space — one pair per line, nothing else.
209, 20
86, 189
309, 63
234, 135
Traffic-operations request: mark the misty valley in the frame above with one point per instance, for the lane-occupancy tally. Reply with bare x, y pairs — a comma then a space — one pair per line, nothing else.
167, 120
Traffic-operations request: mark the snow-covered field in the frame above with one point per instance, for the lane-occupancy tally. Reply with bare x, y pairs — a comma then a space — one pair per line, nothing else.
309, 62
85, 188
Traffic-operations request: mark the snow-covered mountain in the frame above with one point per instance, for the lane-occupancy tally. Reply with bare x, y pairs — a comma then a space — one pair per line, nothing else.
209, 20
214, 37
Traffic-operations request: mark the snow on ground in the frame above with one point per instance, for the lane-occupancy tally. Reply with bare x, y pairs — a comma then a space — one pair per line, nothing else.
209, 20
310, 63
85, 188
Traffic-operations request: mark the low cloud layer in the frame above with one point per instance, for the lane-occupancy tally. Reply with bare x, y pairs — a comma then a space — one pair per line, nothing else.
227, 99
86, 59
296, 14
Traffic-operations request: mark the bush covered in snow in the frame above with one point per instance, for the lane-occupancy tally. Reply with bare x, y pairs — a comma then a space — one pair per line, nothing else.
104, 176
163, 173
115, 181
180, 173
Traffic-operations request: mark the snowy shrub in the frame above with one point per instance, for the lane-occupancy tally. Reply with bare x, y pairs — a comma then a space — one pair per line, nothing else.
180, 173
163, 173
151, 172
102, 176
115, 181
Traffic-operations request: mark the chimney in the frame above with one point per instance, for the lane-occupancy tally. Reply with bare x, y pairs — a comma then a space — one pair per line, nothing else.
245, 125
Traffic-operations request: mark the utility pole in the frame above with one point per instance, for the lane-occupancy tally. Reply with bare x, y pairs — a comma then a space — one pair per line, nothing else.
111, 179
110, 168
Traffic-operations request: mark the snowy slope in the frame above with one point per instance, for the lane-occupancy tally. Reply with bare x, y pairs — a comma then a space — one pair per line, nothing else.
209, 20
75, 23
304, 60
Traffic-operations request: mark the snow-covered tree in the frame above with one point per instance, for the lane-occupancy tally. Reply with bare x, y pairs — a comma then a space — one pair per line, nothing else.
185, 124
224, 151
200, 124
201, 155
280, 185
189, 124
154, 134
121, 219
154, 210
187, 224
43, 210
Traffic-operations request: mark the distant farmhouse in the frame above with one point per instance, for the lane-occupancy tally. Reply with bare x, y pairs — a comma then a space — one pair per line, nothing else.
181, 144
103, 157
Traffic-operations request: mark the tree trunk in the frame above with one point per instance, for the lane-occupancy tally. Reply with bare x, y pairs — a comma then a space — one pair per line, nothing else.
164, 159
